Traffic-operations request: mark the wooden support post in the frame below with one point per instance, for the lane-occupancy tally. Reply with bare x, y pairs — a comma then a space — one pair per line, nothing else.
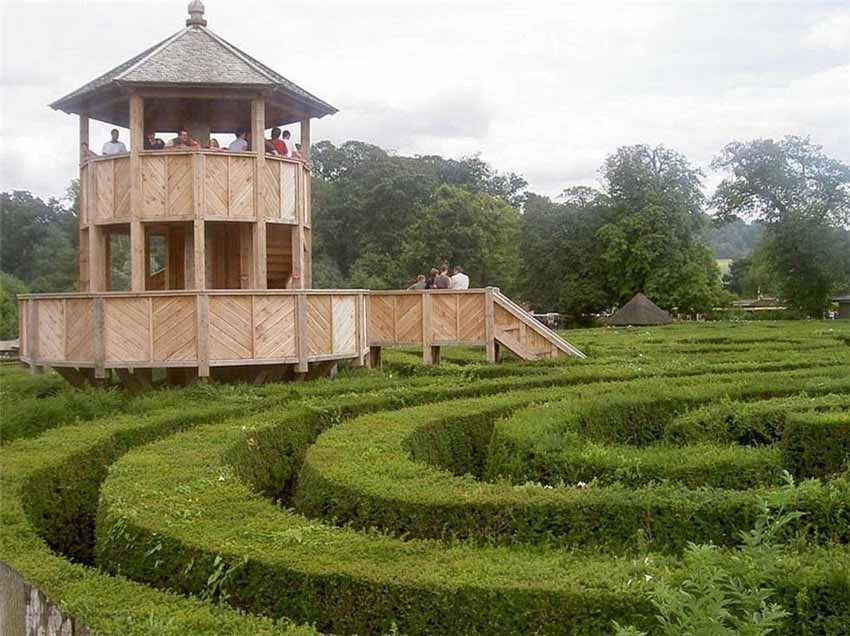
435, 354
72, 376
99, 337
305, 139
137, 234
82, 215
360, 330
301, 343
490, 326
258, 139
497, 352
96, 258
198, 228
297, 279
202, 321
130, 381
32, 336
376, 358
427, 350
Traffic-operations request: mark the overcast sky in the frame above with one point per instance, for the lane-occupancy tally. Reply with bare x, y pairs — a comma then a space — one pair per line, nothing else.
546, 89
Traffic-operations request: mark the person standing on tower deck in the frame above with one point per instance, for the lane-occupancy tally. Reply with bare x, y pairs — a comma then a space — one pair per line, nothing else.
183, 141
114, 147
277, 143
240, 144
443, 281
460, 280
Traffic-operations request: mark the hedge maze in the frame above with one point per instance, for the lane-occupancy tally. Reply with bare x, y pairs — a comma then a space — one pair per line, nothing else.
543, 498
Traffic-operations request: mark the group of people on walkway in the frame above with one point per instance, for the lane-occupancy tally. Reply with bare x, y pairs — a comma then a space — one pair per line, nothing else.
439, 278
280, 144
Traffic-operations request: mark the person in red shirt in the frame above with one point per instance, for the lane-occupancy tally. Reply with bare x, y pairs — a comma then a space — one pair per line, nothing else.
277, 143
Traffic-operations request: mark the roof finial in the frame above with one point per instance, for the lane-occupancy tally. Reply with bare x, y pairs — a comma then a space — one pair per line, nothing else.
196, 14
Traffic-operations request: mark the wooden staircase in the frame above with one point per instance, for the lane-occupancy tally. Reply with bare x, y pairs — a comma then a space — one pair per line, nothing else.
523, 335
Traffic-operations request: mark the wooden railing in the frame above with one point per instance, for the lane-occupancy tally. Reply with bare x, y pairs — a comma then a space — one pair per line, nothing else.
192, 329
224, 183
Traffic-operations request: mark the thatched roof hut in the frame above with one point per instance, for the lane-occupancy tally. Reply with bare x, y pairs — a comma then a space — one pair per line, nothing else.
640, 310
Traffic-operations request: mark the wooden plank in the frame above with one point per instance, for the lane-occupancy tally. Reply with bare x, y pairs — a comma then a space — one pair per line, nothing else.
51, 330
275, 327
199, 276
344, 324
137, 236
99, 339
490, 326
305, 138
122, 178
427, 329
173, 329
32, 336
230, 328
215, 184
79, 329
154, 186
181, 185
258, 127
288, 191
202, 334
319, 325
240, 185
301, 340
96, 272
127, 337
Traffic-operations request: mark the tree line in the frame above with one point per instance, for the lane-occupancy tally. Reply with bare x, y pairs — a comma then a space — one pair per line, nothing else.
379, 219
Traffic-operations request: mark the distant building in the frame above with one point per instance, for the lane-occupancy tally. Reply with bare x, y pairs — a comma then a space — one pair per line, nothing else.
843, 306
640, 310
758, 304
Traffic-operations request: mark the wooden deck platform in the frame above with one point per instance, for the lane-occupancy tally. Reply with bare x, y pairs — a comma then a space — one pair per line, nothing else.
85, 335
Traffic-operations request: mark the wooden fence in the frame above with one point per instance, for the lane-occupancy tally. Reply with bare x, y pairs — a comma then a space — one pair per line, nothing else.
224, 183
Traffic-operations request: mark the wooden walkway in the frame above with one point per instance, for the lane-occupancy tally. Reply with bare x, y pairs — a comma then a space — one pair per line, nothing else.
265, 334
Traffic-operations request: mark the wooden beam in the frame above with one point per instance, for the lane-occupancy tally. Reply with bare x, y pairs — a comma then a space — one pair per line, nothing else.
490, 326
32, 336
198, 227
202, 322
99, 337
72, 376
427, 351
84, 139
301, 343
137, 236
376, 358
305, 138
258, 139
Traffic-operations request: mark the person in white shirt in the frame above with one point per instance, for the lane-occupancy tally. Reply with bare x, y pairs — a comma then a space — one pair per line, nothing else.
459, 279
240, 144
114, 147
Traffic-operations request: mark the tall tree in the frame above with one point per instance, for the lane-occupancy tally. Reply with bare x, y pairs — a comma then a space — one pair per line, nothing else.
803, 197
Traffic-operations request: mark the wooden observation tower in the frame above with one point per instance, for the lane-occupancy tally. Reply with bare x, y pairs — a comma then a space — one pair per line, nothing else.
219, 241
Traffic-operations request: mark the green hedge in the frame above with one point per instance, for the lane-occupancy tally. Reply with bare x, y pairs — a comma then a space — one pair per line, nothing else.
365, 472
191, 518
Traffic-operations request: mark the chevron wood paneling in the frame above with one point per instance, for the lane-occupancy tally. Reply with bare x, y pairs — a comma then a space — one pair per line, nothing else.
79, 329
153, 186
230, 328
444, 317
51, 330
471, 317
105, 192
180, 186
271, 188
127, 329
288, 190
344, 324
274, 326
241, 180
174, 329
408, 318
215, 171
381, 325
319, 330
121, 196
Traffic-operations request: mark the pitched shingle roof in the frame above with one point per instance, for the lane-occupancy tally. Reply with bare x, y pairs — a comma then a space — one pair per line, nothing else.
194, 56
640, 310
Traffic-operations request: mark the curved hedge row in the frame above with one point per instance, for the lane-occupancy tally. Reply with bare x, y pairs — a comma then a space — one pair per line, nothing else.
186, 505
194, 518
